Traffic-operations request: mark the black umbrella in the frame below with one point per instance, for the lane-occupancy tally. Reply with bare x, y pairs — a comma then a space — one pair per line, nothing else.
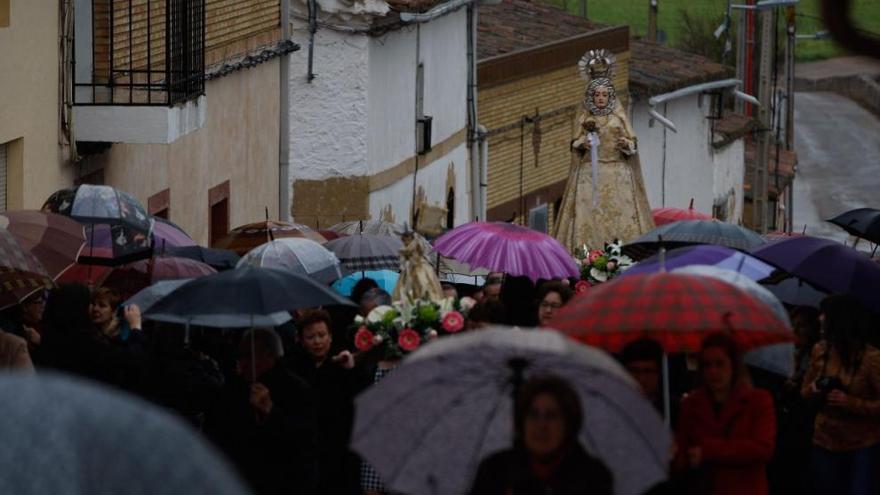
237, 297
219, 259
690, 232
861, 222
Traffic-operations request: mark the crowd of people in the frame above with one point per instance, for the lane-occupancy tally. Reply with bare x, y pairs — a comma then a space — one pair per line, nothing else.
280, 402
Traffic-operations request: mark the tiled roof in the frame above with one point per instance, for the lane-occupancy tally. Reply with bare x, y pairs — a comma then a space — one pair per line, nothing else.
730, 128
786, 170
657, 69
515, 25
253, 58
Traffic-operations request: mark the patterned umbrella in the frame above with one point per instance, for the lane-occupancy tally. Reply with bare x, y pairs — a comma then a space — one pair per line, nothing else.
363, 252
508, 248
861, 222
55, 240
675, 309
20, 272
703, 255
662, 216
130, 278
167, 234
298, 255
118, 229
688, 232
426, 426
246, 237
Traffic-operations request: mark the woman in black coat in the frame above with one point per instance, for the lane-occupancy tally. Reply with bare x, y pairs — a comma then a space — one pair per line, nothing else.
547, 457
334, 383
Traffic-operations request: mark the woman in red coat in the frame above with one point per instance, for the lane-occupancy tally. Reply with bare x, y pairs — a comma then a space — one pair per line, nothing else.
726, 428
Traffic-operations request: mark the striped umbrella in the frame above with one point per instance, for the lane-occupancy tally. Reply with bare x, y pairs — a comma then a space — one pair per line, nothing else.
246, 237
363, 252
20, 272
55, 240
300, 256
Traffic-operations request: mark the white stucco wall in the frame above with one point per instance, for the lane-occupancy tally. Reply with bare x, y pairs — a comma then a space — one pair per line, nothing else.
693, 168
328, 117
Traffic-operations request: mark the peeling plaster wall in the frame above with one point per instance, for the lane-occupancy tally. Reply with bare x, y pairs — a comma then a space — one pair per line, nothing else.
328, 117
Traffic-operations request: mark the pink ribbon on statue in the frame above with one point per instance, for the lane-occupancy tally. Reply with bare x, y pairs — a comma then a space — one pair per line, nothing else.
593, 138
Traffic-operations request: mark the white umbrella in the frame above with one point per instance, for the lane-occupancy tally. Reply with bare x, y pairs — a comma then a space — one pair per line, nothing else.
777, 358
426, 426
298, 255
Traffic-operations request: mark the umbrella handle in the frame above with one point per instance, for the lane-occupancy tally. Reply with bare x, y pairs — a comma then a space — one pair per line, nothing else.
666, 393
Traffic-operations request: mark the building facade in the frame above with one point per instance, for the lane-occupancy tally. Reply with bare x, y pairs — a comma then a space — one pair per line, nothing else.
180, 106
380, 114
31, 164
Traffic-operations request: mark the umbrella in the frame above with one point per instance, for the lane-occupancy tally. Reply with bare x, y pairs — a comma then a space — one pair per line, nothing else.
372, 227
688, 232
20, 272
167, 234
796, 292
148, 296
220, 259
426, 426
861, 222
455, 272
298, 255
509, 248
243, 297
116, 224
132, 277
246, 237
828, 265
330, 235
677, 310
55, 240
777, 235
662, 216
363, 252
60, 432
704, 254
386, 279
776, 358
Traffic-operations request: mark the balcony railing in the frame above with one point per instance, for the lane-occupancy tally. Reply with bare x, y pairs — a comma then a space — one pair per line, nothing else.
144, 53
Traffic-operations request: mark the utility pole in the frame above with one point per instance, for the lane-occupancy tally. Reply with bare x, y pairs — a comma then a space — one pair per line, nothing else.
790, 37
652, 19
765, 84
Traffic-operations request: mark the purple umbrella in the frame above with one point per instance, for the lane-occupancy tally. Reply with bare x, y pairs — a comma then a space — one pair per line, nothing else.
718, 256
167, 234
828, 265
507, 248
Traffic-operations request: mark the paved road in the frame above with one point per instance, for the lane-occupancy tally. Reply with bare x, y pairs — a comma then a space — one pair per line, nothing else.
838, 145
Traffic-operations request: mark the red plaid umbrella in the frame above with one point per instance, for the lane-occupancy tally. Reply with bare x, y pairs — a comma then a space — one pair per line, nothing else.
677, 310
662, 216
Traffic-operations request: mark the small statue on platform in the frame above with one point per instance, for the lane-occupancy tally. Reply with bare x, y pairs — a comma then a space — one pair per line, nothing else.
417, 278
605, 196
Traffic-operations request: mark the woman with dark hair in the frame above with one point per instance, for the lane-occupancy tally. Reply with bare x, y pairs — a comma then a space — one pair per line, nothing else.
844, 381
518, 295
547, 457
486, 313
551, 297
334, 381
726, 428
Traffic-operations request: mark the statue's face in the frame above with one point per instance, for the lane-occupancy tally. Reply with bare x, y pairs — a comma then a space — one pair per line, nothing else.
600, 97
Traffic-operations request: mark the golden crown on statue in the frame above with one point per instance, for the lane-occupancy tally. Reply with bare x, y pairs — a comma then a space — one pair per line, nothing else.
597, 64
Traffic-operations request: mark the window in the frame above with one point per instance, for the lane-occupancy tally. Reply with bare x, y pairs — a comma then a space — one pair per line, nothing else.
159, 204
4, 13
538, 218
3, 153
218, 212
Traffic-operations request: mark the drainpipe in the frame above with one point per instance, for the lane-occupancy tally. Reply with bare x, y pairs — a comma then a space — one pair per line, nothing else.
473, 133
284, 121
484, 169
440, 10
695, 89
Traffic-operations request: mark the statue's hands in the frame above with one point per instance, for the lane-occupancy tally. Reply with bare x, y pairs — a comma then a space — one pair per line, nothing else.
581, 145
627, 146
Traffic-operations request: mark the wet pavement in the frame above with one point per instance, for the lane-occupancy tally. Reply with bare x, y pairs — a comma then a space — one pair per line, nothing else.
838, 146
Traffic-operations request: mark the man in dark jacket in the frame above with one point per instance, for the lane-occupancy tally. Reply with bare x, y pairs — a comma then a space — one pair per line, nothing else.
265, 420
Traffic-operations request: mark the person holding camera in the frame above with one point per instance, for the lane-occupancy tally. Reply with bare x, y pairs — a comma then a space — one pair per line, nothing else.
843, 381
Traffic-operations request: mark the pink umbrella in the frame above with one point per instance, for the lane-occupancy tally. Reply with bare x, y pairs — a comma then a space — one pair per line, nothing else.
662, 216
130, 278
507, 248
167, 234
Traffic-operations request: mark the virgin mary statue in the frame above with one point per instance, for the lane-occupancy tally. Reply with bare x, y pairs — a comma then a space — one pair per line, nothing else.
605, 196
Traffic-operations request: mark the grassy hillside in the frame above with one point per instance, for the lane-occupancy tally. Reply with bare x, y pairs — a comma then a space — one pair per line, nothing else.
866, 15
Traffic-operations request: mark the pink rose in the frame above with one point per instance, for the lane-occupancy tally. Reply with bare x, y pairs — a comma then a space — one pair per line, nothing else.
594, 255
408, 340
363, 339
581, 287
453, 322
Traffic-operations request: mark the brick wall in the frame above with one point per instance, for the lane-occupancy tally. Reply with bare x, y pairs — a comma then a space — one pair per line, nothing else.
529, 161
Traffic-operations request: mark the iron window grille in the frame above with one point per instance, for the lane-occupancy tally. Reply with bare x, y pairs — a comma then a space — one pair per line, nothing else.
145, 52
